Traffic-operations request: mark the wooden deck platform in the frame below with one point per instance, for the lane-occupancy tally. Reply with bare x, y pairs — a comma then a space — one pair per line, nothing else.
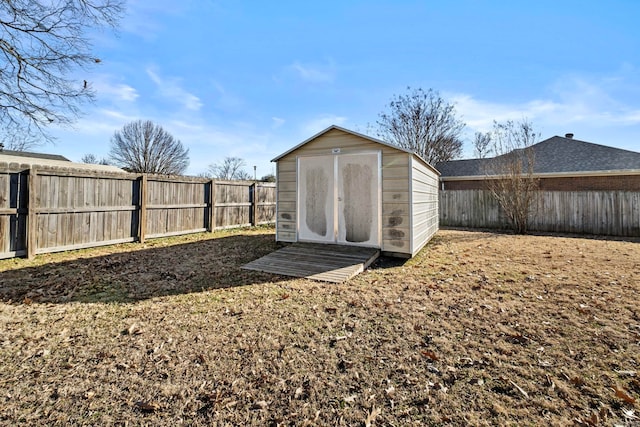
323, 262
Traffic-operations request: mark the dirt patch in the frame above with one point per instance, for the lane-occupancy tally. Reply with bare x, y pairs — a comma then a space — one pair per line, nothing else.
478, 329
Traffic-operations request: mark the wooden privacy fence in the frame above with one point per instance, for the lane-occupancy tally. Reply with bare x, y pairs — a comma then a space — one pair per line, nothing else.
53, 209
612, 213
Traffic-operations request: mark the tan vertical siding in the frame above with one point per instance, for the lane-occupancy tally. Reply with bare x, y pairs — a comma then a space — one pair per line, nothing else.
286, 200
396, 224
425, 218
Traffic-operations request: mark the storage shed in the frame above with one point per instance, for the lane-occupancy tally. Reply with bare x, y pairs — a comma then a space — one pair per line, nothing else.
342, 187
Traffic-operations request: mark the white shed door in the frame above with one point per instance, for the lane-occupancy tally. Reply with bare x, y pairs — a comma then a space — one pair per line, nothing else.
316, 199
339, 199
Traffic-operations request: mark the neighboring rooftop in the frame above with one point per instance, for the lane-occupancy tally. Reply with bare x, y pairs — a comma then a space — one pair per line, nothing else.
556, 155
25, 158
33, 155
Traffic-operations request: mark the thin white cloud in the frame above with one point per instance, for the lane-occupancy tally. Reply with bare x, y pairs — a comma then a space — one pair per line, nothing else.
320, 123
211, 143
143, 17
207, 142
226, 100
171, 89
101, 123
277, 122
480, 114
315, 73
105, 88
570, 101
598, 109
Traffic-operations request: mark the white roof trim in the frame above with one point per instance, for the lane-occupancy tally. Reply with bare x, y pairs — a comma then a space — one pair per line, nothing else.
369, 138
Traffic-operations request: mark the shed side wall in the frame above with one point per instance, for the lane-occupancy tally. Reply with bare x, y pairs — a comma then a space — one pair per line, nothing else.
286, 188
396, 236
425, 204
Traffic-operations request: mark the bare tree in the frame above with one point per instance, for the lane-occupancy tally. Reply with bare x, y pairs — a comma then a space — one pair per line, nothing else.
42, 45
13, 137
482, 145
268, 178
424, 123
230, 168
92, 159
145, 147
510, 175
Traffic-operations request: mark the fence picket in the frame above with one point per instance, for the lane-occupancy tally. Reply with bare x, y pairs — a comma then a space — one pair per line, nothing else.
614, 213
57, 209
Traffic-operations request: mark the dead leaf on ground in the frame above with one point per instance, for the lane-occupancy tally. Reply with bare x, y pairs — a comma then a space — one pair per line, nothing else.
577, 381
351, 399
629, 373
520, 389
147, 406
430, 354
134, 329
593, 420
259, 405
622, 394
372, 416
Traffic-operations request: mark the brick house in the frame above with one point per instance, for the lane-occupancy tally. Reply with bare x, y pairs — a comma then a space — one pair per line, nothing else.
561, 164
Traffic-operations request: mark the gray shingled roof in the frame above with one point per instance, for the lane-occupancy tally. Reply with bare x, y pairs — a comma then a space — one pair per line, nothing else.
34, 155
557, 155
25, 159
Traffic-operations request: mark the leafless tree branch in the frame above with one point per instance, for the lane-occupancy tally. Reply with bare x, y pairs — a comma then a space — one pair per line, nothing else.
229, 169
145, 147
424, 123
510, 175
42, 43
482, 145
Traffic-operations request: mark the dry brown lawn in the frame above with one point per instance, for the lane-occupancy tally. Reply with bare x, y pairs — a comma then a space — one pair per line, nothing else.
479, 329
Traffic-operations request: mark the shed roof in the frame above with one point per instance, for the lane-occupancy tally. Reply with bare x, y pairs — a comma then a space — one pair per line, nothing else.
556, 155
368, 138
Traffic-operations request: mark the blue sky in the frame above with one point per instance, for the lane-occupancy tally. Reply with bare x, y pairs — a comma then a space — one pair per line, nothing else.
251, 79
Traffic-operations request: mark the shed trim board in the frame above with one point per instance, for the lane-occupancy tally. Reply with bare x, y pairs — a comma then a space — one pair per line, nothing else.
361, 135
411, 223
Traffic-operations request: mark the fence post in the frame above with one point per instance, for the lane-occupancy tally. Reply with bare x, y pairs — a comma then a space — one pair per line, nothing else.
32, 220
254, 204
212, 206
142, 208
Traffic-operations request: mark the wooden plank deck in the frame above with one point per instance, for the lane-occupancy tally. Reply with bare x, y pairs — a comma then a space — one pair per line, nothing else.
323, 262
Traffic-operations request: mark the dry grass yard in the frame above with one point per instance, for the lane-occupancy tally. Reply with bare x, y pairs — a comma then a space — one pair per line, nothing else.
479, 329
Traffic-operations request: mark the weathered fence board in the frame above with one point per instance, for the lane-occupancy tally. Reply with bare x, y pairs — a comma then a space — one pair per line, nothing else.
75, 212
50, 210
13, 213
613, 213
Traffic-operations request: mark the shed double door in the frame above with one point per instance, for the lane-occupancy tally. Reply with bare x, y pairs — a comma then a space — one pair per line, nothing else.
339, 199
